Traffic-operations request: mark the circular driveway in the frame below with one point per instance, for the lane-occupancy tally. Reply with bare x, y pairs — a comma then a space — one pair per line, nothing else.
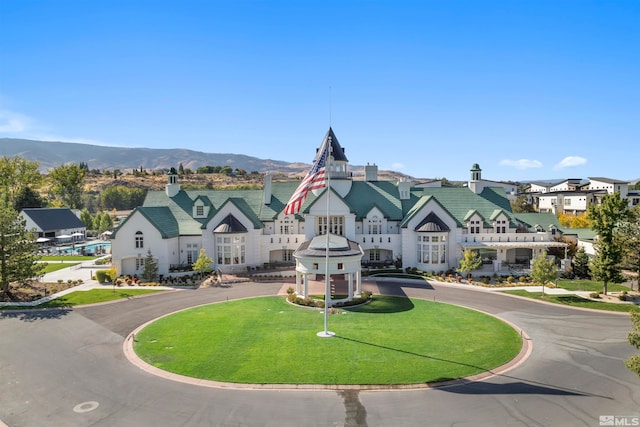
67, 367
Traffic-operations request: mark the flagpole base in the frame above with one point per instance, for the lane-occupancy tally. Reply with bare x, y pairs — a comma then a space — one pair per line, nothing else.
326, 334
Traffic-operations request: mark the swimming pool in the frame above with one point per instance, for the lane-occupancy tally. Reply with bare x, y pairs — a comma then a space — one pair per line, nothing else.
94, 248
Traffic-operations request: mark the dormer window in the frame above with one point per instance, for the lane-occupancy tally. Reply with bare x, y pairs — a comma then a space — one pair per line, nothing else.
200, 209
474, 227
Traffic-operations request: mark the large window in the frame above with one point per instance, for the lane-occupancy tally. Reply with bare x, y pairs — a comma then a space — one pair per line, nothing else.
230, 250
192, 253
336, 225
474, 227
375, 225
432, 249
139, 239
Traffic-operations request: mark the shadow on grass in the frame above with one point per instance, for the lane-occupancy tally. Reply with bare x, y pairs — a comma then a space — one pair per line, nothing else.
384, 347
518, 386
383, 304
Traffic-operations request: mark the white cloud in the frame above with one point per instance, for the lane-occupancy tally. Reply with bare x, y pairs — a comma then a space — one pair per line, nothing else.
11, 122
570, 161
521, 163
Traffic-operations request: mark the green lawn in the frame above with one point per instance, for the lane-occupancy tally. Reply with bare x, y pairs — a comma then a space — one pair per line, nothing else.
575, 301
50, 267
268, 341
58, 258
589, 286
94, 296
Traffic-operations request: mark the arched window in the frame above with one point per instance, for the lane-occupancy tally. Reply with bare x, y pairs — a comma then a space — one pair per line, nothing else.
139, 239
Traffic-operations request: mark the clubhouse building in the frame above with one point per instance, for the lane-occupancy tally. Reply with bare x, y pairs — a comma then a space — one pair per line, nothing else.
371, 222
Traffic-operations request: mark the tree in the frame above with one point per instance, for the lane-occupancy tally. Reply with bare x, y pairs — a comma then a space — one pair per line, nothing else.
633, 362
581, 264
521, 204
203, 263
150, 272
28, 198
16, 174
18, 249
67, 184
559, 252
470, 261
86, 218
543, 270
103, 222
630, 238
180, 169
606, 218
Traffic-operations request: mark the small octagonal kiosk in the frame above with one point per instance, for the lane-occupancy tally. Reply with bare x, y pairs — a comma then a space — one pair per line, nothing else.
344, 259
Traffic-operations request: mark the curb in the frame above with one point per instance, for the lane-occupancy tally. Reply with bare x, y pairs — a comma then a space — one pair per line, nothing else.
520, 358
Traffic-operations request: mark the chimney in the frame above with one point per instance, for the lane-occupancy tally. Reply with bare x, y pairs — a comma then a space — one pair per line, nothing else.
267, 189
371, 173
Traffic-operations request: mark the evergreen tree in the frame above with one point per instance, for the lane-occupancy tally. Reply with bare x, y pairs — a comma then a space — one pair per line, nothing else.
581, 264
150, 272
18, 249
28, 198
606, 218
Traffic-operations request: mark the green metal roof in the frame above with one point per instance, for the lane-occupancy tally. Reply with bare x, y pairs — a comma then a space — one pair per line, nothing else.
458, 202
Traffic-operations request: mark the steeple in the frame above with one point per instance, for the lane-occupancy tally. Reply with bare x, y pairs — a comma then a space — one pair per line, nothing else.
339, 160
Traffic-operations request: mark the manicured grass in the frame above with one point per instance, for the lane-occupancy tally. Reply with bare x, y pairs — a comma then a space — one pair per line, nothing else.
58, 258
575, 301
589, 285
268, 341
50, 267
94, 296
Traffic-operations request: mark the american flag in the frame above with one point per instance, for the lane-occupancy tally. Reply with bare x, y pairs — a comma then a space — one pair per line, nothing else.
314, 179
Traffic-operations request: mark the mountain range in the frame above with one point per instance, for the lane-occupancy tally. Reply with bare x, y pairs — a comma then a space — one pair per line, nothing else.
50, 154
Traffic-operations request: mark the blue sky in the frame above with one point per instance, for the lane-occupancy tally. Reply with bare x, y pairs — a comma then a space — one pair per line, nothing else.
527, 89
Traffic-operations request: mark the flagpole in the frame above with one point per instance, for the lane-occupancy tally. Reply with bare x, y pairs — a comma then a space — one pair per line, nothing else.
327, 283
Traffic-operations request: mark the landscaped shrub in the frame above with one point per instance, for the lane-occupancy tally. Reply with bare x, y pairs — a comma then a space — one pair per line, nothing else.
510, 279
486, 280
594, 295
101, 276
623, 296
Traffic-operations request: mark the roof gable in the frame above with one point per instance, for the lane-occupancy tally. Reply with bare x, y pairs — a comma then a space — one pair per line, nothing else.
51, 219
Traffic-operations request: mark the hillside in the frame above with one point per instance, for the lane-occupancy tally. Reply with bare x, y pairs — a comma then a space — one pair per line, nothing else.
50, 154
